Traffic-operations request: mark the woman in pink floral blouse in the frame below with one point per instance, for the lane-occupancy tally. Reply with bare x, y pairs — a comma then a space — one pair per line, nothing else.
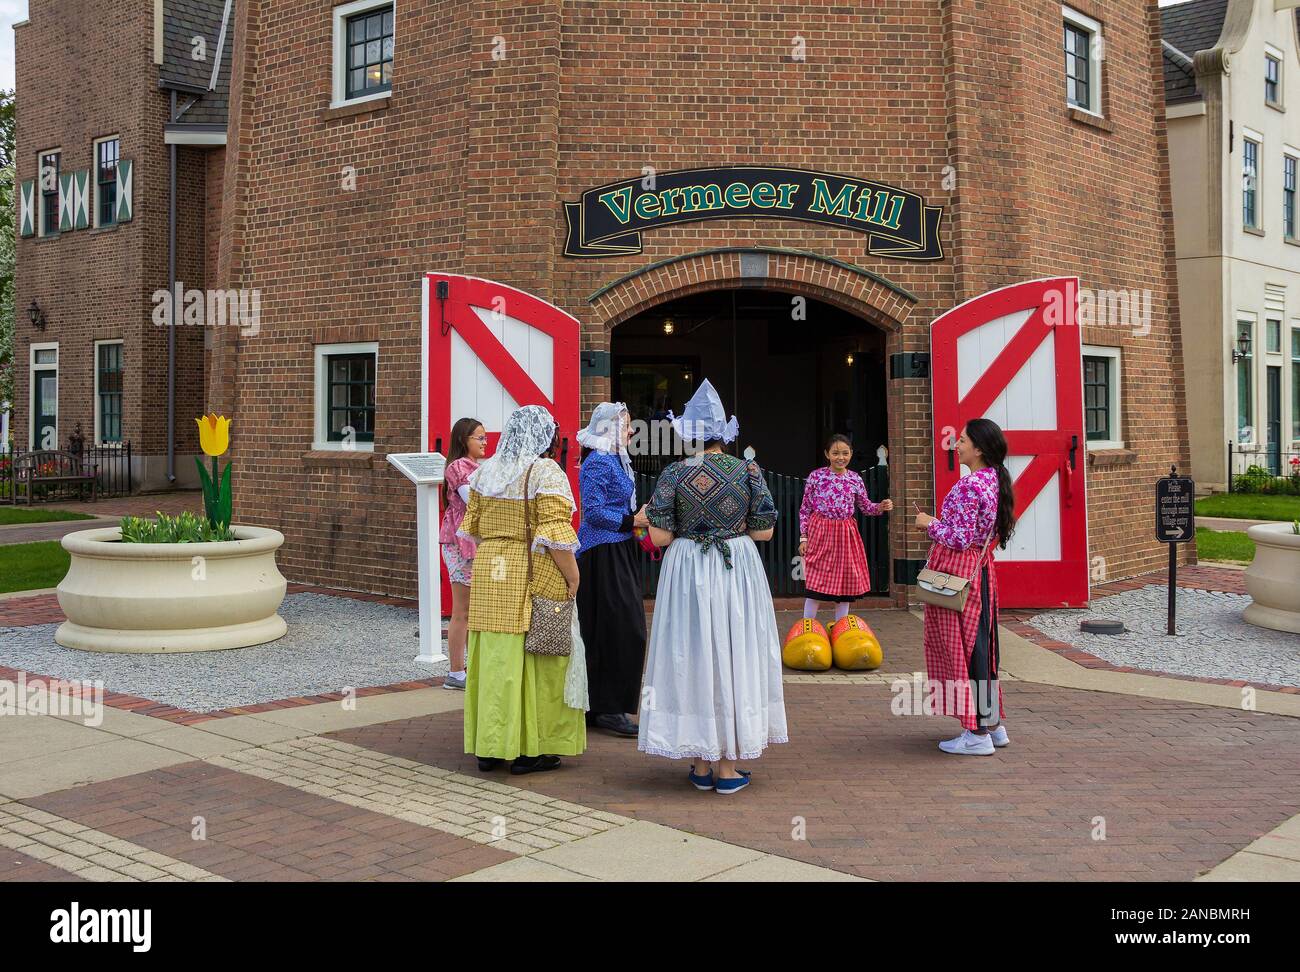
835, 563
961, 649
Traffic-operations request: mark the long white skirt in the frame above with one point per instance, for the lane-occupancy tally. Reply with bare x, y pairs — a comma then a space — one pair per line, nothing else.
713, 668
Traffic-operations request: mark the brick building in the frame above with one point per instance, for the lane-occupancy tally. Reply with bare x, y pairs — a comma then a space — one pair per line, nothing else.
110, 97
372, 142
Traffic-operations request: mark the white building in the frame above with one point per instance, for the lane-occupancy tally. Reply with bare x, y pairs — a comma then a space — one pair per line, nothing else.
1232, 90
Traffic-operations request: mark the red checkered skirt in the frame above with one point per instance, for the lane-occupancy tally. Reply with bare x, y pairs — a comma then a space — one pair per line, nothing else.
835, 563
950, 637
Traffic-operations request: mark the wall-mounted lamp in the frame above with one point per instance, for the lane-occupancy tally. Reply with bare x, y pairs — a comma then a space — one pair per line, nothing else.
669, 326
36, 315
1242, 348
849, 358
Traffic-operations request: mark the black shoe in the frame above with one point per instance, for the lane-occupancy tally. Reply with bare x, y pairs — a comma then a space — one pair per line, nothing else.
619, 724
534, 764
486, 764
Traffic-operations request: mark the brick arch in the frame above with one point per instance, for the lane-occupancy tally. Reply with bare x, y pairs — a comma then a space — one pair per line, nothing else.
849, 287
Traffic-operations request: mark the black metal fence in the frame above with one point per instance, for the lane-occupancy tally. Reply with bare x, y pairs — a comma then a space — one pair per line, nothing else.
114, 474
781, 554
1263, 469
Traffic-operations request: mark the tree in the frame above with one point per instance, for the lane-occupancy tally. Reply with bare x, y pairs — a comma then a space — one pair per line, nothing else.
8, 195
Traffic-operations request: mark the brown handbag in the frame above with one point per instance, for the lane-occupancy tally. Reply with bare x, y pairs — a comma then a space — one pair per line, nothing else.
550, 625
947, 590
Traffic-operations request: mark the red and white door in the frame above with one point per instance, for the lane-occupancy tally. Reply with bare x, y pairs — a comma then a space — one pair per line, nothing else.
1013, 355
490, 349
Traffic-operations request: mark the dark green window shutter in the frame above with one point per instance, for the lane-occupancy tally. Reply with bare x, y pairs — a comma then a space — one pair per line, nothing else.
82, 207
125, 180
27, 211
66, 198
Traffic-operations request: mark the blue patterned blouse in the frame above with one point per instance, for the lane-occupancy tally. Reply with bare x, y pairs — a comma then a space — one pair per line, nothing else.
712, 497
606, 501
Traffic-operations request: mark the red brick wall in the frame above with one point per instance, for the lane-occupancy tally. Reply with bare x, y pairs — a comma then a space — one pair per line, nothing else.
465, 167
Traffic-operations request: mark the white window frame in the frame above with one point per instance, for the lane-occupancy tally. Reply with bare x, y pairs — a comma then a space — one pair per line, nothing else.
1250, 135
1294, 154
40, 195
94, 175
1251, 318
1095, 62
1280, 57
32, 368
98, 344
339, 88
320, 425
1116, 371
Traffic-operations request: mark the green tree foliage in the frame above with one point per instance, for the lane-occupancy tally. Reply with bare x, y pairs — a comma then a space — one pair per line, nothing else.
8, 227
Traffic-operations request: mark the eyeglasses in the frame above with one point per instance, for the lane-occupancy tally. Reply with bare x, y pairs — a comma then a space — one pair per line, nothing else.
479, 438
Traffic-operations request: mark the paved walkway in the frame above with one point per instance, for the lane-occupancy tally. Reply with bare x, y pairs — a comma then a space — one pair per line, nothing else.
1110, 775
1230, 524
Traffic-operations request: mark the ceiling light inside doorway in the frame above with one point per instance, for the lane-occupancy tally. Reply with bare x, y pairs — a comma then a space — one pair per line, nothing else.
669, 327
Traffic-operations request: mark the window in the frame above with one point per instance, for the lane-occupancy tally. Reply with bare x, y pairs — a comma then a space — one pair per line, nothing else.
1101, 400
363, 51
1273, 335
106, 156
1249, 183
48, 166
108, 392
345, 396
1245, 395
43, 382
1288, 196
1272, 73
1083, 47
1295, 382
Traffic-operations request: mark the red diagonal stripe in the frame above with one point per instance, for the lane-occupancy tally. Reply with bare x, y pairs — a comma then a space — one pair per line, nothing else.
1032, 479
1005, 366
498, 360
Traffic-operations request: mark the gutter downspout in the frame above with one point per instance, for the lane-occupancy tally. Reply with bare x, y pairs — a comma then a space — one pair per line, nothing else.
171, 290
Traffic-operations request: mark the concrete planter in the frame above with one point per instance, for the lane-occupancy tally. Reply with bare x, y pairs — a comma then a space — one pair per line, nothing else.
1273, 578
159, 597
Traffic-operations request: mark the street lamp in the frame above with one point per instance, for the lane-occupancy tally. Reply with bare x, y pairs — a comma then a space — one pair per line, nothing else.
1242, 347
36, 315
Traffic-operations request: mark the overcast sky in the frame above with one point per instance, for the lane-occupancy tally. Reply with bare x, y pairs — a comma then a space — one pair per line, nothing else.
12, 11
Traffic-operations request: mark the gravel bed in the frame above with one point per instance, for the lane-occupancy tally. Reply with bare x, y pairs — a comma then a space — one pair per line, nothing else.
1212, 641
333, 643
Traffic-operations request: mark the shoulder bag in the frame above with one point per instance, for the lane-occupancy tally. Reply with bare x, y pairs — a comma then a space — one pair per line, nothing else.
947, 590
550, 625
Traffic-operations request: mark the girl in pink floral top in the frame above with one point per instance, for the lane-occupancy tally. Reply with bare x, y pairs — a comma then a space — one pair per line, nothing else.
468, 446
835, 563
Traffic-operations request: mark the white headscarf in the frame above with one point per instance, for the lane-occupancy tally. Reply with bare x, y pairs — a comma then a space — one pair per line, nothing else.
527, 434
704, 418
604, 433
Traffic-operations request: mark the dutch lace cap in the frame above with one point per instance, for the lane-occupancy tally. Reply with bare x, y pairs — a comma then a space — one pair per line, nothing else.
528, 432
604, 433
704, 418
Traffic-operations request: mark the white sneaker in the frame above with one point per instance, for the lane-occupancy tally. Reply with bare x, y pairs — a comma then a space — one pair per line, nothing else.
968, 744
455, 680
999, 736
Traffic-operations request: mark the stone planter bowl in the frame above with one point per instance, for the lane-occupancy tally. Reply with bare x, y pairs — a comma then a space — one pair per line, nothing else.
1273, 578
161, 597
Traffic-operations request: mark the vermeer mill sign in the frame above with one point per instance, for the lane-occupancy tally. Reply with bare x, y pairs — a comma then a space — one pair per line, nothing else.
609, 220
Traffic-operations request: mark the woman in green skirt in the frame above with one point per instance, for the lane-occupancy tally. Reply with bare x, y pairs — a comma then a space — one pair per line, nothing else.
515, 707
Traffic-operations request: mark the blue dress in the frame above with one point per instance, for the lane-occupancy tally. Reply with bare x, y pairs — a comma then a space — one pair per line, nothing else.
611, 613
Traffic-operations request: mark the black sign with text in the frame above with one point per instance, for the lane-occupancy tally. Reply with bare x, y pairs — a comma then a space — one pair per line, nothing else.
1175, 517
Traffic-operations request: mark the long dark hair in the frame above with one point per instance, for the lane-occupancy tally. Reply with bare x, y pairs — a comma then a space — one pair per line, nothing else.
986, 436
459, 447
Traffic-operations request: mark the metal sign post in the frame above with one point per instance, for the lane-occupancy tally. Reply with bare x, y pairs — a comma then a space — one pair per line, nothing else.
1175, 524
426, 470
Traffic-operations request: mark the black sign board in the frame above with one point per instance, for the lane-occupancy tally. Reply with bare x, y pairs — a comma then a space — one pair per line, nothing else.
609, 220
1175, 519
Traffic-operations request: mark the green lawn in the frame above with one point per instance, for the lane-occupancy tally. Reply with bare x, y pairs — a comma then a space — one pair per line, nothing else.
1249, 506
32, 566
10, 515
1224, 545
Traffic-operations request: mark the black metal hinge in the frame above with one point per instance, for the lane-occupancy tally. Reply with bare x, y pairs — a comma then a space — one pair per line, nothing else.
595, 364
905, 571
910, 364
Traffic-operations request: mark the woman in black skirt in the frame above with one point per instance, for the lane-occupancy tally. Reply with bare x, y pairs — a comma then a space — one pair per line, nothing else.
610, 610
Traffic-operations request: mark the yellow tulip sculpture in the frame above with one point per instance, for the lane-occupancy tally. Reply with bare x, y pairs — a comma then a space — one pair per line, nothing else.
214, 439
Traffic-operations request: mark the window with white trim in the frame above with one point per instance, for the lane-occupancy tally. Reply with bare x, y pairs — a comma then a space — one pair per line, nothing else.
1250, 183
1101, 397
1289, 165
1083, 48
1245, 385
48, 166
107, 152
364, 38
1273, 80
108, 392
345, 396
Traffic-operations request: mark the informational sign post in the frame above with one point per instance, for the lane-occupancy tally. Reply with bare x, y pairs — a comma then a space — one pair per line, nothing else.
1175, 524
427, 470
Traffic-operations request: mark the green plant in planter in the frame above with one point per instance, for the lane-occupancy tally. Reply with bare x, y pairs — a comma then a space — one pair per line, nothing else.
1295, 527
186, 528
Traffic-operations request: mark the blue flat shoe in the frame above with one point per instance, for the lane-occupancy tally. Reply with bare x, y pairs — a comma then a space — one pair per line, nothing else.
704, 782
731, 786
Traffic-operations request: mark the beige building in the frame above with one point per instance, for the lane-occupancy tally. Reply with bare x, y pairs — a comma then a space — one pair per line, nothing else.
1232, 91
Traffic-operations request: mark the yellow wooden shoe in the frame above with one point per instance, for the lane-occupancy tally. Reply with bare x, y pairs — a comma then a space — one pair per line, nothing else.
807, 649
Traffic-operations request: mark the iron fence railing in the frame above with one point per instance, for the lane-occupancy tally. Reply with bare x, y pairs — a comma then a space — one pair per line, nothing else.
113, 469
1263, 469
780, 554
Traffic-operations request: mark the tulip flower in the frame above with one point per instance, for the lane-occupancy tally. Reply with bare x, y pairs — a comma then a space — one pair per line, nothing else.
214, 439
214, 434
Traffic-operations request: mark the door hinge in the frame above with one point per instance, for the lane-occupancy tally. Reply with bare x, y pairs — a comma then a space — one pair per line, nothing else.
595, 364
910, 364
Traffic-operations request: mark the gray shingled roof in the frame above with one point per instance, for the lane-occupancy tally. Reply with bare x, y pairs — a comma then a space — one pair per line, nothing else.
183, 20
1190, 27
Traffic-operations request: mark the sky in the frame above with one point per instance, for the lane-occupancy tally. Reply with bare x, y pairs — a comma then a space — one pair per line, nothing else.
12, 11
